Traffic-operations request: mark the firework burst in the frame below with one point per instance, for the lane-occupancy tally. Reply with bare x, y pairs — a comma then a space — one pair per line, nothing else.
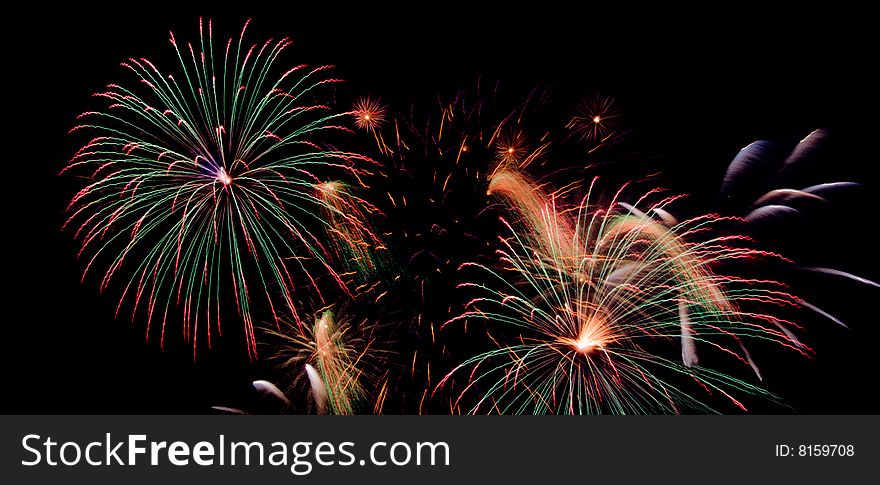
338, 361
596, 120
369, 115
612, 320
435, 184
511, 148
201, 183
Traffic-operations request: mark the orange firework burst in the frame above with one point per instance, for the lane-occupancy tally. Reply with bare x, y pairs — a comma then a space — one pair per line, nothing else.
595, 120
369, 113
511, 147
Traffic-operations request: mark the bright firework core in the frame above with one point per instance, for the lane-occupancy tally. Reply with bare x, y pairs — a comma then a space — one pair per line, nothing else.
328, 187
223, 177
369, 113
594, 333
585, 344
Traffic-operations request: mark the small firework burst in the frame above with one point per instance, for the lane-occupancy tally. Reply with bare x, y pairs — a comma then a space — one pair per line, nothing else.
511, 148
369, 114
595, 120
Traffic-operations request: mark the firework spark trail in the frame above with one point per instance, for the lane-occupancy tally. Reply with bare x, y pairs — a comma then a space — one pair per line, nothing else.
591, 315
336, 364
201, 183
343, 361
531, 203
844, 274
761, 162
269, 389
358, 246
317, 389
763, 165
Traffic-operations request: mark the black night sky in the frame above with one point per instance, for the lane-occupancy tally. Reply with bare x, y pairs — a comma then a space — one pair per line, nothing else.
696, 86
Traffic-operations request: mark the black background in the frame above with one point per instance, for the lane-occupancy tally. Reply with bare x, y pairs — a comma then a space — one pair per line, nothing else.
701, 84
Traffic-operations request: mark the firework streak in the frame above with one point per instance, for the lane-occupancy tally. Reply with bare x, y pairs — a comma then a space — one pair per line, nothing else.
358, 247
337, 357
603, 309
202, 183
